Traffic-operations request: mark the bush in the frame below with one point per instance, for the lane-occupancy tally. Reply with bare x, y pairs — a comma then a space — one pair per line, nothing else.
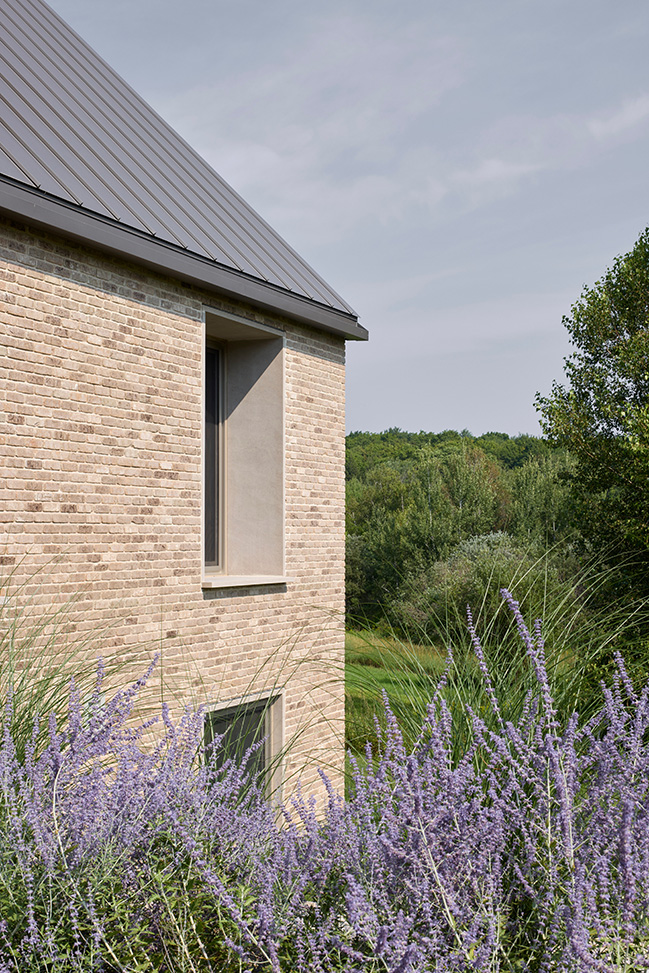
526, 850
433, 601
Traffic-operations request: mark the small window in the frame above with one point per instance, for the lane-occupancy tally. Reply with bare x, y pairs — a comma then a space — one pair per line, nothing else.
241, 728
242, 725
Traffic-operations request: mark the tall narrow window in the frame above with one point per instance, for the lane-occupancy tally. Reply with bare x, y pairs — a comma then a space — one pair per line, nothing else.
243, 452
213, 449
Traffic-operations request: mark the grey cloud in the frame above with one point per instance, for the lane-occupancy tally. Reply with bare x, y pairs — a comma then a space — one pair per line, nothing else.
456, 170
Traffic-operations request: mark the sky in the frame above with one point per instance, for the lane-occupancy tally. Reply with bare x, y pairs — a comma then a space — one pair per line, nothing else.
458, 170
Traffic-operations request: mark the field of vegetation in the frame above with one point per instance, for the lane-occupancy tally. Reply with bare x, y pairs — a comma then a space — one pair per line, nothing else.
486, 840
497, 800
441, 522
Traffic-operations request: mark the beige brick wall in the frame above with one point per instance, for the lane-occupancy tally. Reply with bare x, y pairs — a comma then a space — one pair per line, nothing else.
101, 486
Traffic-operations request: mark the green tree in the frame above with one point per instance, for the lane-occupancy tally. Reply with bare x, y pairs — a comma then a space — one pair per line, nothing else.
512, 452
540, 510
405, 515
602, 416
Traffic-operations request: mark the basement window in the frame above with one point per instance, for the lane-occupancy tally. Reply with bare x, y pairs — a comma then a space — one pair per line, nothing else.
242, 724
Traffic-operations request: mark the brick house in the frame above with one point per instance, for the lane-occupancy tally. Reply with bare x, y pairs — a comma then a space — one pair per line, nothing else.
172, 382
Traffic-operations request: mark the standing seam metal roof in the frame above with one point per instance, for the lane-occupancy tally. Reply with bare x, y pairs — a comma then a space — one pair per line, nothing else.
72, 130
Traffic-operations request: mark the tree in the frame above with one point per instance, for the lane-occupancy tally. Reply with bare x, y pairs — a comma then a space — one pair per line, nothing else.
602, 417
405, 515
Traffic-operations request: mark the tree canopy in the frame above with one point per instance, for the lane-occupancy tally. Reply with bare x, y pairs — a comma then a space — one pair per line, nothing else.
414, 498
602, 415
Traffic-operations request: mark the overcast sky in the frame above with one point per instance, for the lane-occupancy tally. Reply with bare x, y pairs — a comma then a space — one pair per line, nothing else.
456, 169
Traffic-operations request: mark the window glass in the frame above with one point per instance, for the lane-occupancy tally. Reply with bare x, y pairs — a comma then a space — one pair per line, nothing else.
241, 726
213, 422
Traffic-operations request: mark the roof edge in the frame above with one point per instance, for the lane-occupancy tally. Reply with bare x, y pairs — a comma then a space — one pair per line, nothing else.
46, 212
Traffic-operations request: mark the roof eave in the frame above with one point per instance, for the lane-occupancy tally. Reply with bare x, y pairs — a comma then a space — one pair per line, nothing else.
46, 212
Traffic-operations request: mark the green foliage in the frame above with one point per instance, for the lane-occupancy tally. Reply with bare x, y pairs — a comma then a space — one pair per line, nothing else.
436, 523
434, 602
512, 451
602, 416
417, 496
582, 632
402, 517
365, 450
540, 507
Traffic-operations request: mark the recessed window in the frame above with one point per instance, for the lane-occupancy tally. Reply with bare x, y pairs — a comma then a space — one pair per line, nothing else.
242, 724
243, 452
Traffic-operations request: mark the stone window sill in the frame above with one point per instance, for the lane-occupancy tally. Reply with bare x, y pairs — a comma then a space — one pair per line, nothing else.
247, 581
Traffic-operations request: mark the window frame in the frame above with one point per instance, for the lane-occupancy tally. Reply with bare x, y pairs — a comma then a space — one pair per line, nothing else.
271, 705
250, 502
215, 502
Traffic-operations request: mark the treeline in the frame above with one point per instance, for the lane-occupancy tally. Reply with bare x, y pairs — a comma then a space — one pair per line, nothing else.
436, 521
367, 449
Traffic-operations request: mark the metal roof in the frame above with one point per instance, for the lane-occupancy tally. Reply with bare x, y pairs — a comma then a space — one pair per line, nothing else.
82, 153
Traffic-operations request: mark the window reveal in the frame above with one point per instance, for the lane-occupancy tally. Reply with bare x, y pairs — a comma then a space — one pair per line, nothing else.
243, 452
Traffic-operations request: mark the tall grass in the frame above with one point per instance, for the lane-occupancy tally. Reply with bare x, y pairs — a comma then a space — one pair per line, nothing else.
582, 633
40, 652
45, 643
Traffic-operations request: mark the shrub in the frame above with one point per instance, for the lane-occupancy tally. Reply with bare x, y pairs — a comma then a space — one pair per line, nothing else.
527, 850
432, 602
582, 628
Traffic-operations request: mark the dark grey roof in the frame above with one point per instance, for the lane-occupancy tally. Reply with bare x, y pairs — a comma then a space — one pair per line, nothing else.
82, 153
